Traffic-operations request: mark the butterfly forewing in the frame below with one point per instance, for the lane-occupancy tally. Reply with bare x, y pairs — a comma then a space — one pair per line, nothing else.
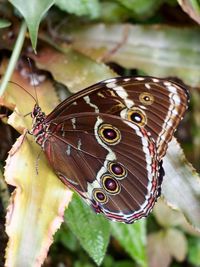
160, 104
107, 142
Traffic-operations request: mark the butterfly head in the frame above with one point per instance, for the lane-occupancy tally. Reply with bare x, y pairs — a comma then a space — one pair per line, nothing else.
36, 111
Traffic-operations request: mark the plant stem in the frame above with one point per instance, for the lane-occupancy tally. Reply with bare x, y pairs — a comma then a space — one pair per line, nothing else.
14, 57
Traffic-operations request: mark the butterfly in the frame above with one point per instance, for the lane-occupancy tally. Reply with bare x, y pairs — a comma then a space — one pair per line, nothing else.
107, 142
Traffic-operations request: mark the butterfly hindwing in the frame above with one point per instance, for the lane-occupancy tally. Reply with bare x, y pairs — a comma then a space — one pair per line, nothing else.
112, 163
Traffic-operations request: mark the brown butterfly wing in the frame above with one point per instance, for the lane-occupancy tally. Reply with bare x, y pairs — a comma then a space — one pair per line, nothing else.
107, 142
161, 104
118, 177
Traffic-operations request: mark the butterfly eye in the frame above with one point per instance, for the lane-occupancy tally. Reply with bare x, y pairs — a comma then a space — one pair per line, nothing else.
117, 170
110, 184
100, 196
137, 116
109, 134
146, 98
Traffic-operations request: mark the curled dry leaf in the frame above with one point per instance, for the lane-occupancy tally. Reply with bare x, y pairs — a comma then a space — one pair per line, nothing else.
37, 204
36, 207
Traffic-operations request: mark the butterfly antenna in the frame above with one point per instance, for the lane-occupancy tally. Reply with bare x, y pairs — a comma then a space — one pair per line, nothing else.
33, 80
24, 90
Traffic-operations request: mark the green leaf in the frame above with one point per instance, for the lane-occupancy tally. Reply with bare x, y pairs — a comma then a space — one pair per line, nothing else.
141, 7
112, 12
81, 264
4, 23
89, 8
123, 264
92, 230
109, 261
65, 236
33, 12
194, 251
132, 237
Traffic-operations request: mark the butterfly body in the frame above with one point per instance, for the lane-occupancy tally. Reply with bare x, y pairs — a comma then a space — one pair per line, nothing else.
107, 142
